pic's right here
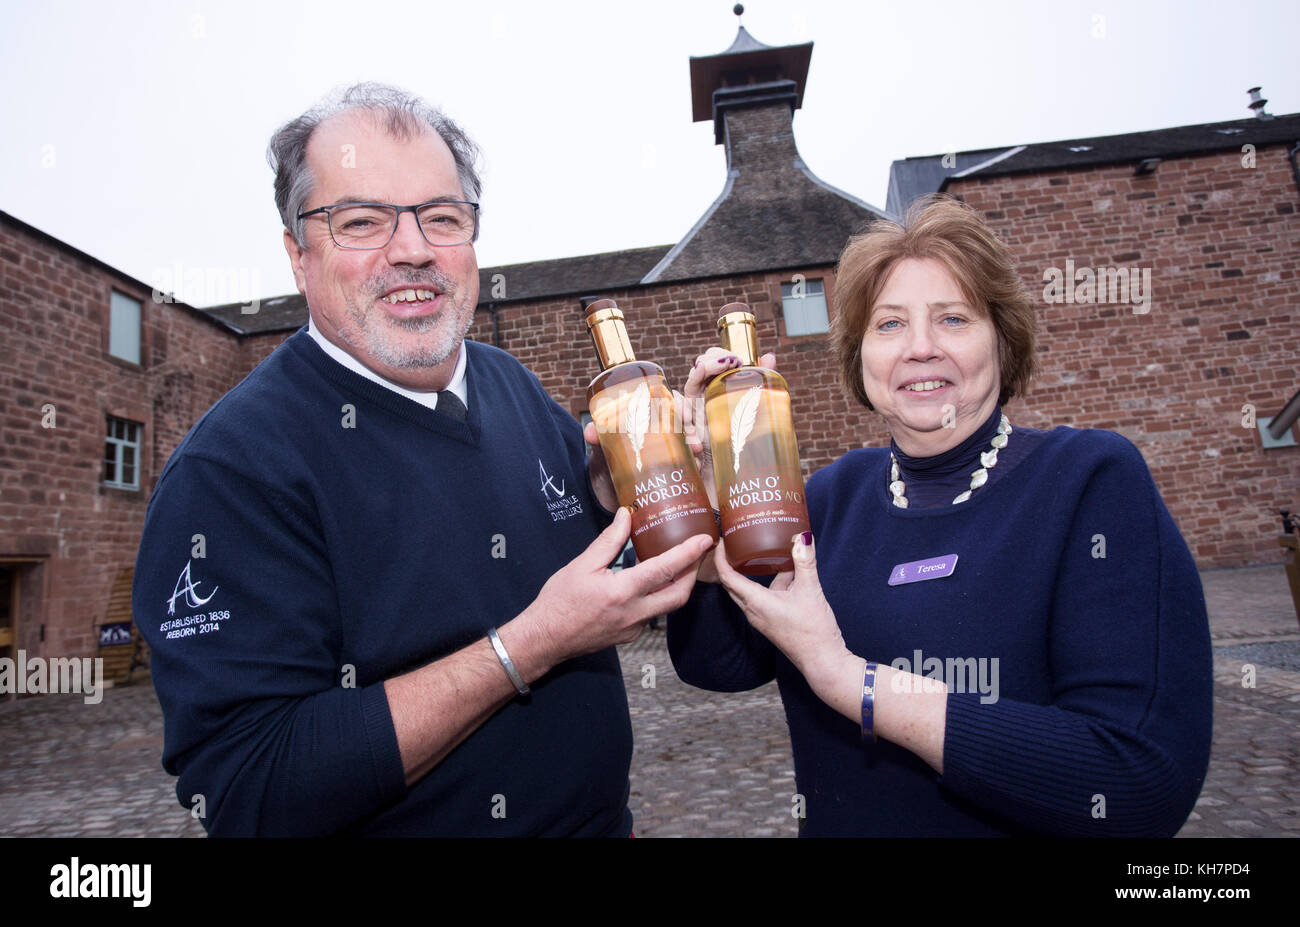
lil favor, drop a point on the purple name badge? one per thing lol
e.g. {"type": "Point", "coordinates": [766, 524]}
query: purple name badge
{"type": "Point", "coordinates": [917, 570]}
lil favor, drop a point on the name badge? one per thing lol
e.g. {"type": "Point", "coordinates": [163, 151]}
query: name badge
{"type": "Point", "coordinates": [918, 570]}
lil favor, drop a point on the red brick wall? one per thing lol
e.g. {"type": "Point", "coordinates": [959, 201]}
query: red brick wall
{"type": "Point", "coordinates": [1223, 245]}
{"type": "Point", "coordinates": [53, 505]}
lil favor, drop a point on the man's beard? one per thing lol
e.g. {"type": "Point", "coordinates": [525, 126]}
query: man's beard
{"type": "Point", "coordinates": [377, 331]}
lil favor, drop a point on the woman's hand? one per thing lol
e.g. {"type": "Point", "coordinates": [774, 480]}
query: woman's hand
{"type": "Point", "coordinates": [793, 614]}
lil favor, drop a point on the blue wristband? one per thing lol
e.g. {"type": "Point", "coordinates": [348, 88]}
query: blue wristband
{"type": "Point", "coordinates": [869, 702]}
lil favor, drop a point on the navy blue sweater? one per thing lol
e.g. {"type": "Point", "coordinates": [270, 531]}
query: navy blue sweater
{"type": "Point", "coordinates": [350, 535]}
{"type": "Point", "coordinates": [1071, 575]}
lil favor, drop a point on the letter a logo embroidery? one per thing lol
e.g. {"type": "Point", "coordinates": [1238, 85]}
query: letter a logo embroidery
{"type": "Point", "coordinates": [548, 483]}
{"type": "Point", "coordinates": [190, 590]}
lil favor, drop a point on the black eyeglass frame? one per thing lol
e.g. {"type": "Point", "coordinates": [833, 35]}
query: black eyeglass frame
{"type": "Point", "coordinates": [397, 218]}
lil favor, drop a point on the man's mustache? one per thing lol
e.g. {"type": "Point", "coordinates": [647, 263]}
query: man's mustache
{"type": "Point", "coordinates": [426, 282]}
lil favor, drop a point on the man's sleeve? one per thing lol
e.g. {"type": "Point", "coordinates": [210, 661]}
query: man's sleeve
{"type": "Point", "coordinates": [1123, 747]}
{"type": "Point", "coordinates": [267, 731]}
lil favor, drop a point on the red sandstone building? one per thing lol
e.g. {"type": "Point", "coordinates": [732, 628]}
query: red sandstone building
{"type": "Point", "coordinates": [100, 383]}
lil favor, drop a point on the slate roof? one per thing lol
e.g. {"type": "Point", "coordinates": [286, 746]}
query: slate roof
{"type": "Point", "coordinates": [741, 234]}
{"type": "Point", "coordinates": [277, 314]}
{"type": "Point", "coordinates": [586, 275]}
{"type": "Point", "coordinates": [912, 177]}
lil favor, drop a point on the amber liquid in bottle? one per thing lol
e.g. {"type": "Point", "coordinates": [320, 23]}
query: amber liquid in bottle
{"type": "Point", "coordinates": [645, 447]}
{"type": "Point", "coordinates": [755, 455]}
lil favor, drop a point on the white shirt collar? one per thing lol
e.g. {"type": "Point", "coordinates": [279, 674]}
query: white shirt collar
{"type": "Point", "coordinates": [429, 399]}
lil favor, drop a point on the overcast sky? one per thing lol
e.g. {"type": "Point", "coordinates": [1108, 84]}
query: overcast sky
{"type": "Point", "coordinates": [137, 131]}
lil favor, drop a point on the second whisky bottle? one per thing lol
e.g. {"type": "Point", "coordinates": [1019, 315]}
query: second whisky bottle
{"type": "Point", "coordinates": [755, 455]}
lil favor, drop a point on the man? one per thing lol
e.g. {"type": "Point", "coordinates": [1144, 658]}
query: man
{"type": "Point", "coordinates": [368, 574]}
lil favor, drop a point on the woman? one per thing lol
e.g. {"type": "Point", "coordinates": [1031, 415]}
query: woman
{"type": "Point", "coordinates": [1001, 630]}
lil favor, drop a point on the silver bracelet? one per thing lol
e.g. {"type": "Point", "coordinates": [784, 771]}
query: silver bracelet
{"type": "Point", "coordinates": [507, 663]}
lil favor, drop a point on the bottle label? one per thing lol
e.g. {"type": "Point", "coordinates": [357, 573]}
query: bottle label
{"type": "Point", "coordinates": [671, 492]}
{"type": "Point", "coordinates": [767, 500]}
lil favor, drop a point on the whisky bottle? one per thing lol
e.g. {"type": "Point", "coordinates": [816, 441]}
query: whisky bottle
{"type": "Point", "coordinates": [645, 447]}
{"type": "Point", "coordinates": [755, 455]}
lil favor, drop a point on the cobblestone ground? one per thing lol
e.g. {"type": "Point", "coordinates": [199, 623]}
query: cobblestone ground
{"type": "Point", "coordinates": [1253, 786]}
{"type": "Point", "coordinates": [704, 763]}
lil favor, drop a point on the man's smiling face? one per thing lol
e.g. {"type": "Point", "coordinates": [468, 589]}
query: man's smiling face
{"type": "Point", "coordinates": [359, 300]}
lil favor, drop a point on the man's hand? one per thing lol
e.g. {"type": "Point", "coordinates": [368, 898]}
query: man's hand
{"type": "Point", "coordinates": [585, 606]}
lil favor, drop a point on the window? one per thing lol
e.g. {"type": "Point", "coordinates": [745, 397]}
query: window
{"type": "Point", "coordinates": [124, 328]}
{"type": "Point", "coordinates": [122, 454]}
{"type": "Point", "coordinates": [804, 306]}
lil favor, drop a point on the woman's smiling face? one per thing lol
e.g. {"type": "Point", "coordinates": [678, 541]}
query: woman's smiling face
{"type": "Point", "coordinates": [929, 359]}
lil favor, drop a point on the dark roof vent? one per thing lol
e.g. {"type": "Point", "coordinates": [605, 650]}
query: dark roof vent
{"type": "Point", "coordinates": [1257, 103]}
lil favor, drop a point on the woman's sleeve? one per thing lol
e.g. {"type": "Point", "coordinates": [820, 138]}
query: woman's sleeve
{"type": "Point", "coordinates": [1123, 748]}
{"type": "Point", "coordinates": [713, 646]}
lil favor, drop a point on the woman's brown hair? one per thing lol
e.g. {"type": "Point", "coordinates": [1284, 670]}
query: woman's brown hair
{"type": "Point", "coordinates": [946, 230]}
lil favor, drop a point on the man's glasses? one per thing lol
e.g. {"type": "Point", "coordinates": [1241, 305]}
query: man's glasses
{"type": "Point", "coordinates": [370, 226]}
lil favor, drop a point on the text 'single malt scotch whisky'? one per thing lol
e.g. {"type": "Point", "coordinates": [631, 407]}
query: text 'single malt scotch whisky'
{"type": "Point", "coordinates": [755, 454]}
{"type": "Point", "coordinates": [641, 434]}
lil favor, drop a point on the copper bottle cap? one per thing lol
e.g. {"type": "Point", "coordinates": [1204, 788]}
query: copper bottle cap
{"type": "Point", "coordinates": [609, 333]}
{"type": "Point", "coordinates": [737, 329]}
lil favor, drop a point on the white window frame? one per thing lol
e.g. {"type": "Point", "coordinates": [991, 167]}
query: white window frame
{"type": "Point", "coordinates": [117, 443]}
{"type": "Point", "coordinates": [814, 289]}
{"type": "Point", "coordinates": [117, 325]}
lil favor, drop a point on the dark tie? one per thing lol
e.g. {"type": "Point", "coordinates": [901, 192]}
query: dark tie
{"type": "Point", "coordinates": [449, 404]}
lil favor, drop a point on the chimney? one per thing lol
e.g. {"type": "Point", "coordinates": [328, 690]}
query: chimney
{"type": "Point", "coordinates": [1257, 103]}
{"type": "Point", "coordinates": [749, 75]}
{"type": "Point", "coordinates": [773, 212]}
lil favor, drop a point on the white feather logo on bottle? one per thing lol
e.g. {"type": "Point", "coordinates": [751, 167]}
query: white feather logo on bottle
{"type": "Point", "coordinates": [742, 422]}
{"type": "Point", "coordinates": [637, 420]}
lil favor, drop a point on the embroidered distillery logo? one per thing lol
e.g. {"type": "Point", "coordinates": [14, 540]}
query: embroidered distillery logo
{"type": "Point", "coordinates": [560, 504]}
{"type": "Point", "coordinates": [548, 483]}
{"type": "Point", "coordinates": [103, 880]}
{"type": "Point", "coordinates": [186, 587]}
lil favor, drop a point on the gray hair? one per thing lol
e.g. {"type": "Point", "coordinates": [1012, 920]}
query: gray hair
{"type": "Point", "coordinates": [406, 115]}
